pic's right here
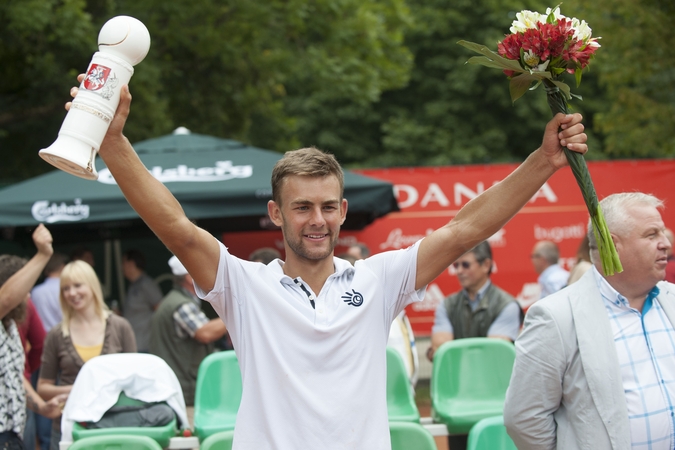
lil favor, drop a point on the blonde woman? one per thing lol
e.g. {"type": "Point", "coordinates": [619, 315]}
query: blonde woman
{"type": "Point", "coordinates": [88, 329]}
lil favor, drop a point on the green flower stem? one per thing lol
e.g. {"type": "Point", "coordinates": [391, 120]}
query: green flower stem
{"type": "Point", "coordinates": [610, 259]}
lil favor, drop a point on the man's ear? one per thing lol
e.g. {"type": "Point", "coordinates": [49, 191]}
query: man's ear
{"type": "Point", "coordinates": [274, 212]}
{"type": "Point", "coordinates": [616, 239]}
{"type": "Point", "coordinates": [344, 211]}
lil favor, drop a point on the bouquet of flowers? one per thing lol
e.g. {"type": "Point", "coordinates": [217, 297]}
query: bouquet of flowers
{"type": "Point", "coordinates": [540, 50]}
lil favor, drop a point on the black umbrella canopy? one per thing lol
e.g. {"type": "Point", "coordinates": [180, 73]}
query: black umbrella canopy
{"type": "Point", "coordinates": [223, 185]}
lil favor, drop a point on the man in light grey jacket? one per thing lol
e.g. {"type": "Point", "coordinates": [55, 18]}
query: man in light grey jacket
{"type": "Point", "coordinates": [594, 366]}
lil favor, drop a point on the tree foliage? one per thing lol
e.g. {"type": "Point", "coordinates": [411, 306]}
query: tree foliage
{"type": "Point", "coordinates": [40, 44]}
{"type": "Point", "coordinates": [636, 65]}
{"type": "Point", "coordinates": [450, 112]}
{"type": "Point", "coordinates": [225, 68]}
{"type": "Point", "coordinates": [377, 82]}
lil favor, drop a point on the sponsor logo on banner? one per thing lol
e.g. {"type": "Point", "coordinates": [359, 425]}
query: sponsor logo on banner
{"type": "Point", "coordinates": [432, 298]}
{"type": "Point", "coordinates": [222, 171]}
{"type": "Point", "coordinates": [434, 195]}
{"type": "Point", "coordinates": [397, 240]}
{"type": "Point", "coordinates": [44, 211]}
{"type": "Point", "coordinates": [559, 233]}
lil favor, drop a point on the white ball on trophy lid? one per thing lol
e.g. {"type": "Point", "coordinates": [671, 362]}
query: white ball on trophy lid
{"type": "Point", "coordinates": [123, 42]}
{"type": "Point", "coordinates": [125, 37]}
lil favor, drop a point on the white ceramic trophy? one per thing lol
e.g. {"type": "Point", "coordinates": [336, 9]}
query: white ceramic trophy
{"type": "Point", "coordinates": [123, 42]}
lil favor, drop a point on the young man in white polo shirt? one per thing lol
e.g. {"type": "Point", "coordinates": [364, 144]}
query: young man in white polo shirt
{"type": "Point", "coordinates": [310, 332]}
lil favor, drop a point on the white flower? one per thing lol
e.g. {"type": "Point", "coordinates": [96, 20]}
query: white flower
{"type": "Point", "coordinates": [525, 20]}
{"type": "Point", "coordinates": [556, 14]}
{"type": "Point", "coordinates": [542, 67]}
{"type": "Point", "coordinates": [530, 58]}
{"type": "Point", "coordinates": [581, 30]}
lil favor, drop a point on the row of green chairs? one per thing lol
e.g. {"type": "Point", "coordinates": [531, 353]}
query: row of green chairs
{"type": "Point", "coordinates": [218, 393]}
{"type": "Point", "coordinates": [469, 382]}
{"type": "Point", "coordinates": [217, 441]}
{"type": "Point", "coordinates": [488, 434]}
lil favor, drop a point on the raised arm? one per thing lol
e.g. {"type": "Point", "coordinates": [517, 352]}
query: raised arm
{"type": "Point", "coordinates": [486, 214]}
{"type": "Point", "coordinates": [18, 286]}
{"type": "Point", "coordinates": [197, 249]}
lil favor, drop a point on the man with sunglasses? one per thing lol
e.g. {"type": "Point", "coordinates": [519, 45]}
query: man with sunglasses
{"type": "Point", "coordinates": [480, 309]}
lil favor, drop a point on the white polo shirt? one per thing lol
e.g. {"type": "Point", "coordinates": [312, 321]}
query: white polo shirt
{"type": "Point", "coordinates": [313, 378]}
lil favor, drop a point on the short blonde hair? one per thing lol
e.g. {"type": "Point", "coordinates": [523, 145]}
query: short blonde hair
{"type": "Point", "coordinates": [81, 272]}
{"type": "Point", "coordinates": [308, 162]}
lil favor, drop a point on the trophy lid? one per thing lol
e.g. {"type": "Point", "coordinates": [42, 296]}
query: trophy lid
{"type": "Point", "coordinates": [125, 37]}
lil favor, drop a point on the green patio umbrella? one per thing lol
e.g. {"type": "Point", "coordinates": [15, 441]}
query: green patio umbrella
{"type": "Point", "coordinates": [223, 185]}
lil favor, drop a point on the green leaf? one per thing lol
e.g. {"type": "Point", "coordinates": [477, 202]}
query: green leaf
{"type": "Point", "coordinates": [541, 74]}
{"type": "Point", "coordinates": [500, 62]}
{"type": "Point", "coordinates": [487, 62]}
{"type": "Point", "coordinates": [577, 75]}
{"type": "Point", "coordinates": [564, 88]}
{"type": "Point", "coordinates": [520, 84]}
{"type": "Point", "coordinates": [536, 85]}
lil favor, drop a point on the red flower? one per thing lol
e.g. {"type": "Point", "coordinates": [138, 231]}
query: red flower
{"type": "Point", "coordinates": [557, 35]}
{"type": "Point", "coordinates": [580, 54]}
{"type": "Point", "coordinates": [534, 40]}
{"type": "Point", "coordinates": [509, 48]}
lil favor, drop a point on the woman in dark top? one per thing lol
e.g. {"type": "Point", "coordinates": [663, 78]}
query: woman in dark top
{"type": "Point", "coordinates": [88, 329]}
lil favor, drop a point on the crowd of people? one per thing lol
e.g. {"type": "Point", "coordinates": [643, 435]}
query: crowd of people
{"type": "Point", "coordinates": [594, 365]}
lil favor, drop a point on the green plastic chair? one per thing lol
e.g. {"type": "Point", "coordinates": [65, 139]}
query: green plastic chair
{"type": "Point", "coordinates": [162, 434]}
{"type": "Point", "coordinates": [401, 405]}
{"type": "Point", "coordinates": [410, 436]}
{"type": "Point", "coordinates": [217, 394]}
{"type": "Point", "coordinates": [116, 442]}
{"type": "Point", "coordinates": [469, 380]}
{"type": "Point", "coordinates": [490, 434]}
{"type": "Point", "coordinates": [218, 441]}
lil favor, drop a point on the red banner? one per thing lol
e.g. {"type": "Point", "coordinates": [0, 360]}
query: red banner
{"type": "Point", "coordinates": [430, 196]}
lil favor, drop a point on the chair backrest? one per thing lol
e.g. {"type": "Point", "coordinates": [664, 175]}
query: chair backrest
{"type": "Point", "coordinates": [211, 392]}
{"type": "Point", "coordinates": [116, 442]}
{"type": "Point", "coordinates": [410, 436]}
{"type": "Point", "coordinates": [472, 368]}
{"type": "Point", "coordinates": [218, 441]}
{"type": "Point", "coordinates": [490, 434]}
{"type": "Point", "coordinates": [401, 404]}
{"type": "Point", "coordinates": [217, 393]}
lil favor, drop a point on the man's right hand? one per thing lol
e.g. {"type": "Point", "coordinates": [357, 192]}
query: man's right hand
{"type": "Point", "coordinates": [115, 132]}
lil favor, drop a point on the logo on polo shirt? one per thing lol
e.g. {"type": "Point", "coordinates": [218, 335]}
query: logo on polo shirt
{"type": "Point", "coordinates": [353, 298]}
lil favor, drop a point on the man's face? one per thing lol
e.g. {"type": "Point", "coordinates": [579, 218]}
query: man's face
{"type": "Point", "coordinates": [538, 261]}
{"type": "Point", "coordinates": [127, 267]}
{"type": "Point", "coordinates": [310, 215]}
{"type": "Point", "coordinates": [471, 274]}
{"type": "Point", "coordinates": [643, 248]}
{"type": "Point", "coordinates": [355, 251]}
